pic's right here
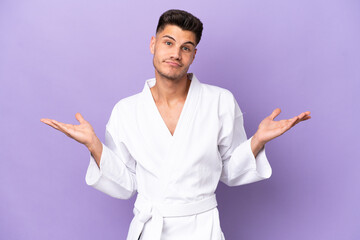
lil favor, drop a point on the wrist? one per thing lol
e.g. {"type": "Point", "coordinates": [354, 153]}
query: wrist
{"type": "Point", "coordinates": [256, 140]}
{"type": "Point", "coordinates": [94, 144]}
{"type": "Point", "coordinates": [96, 148]}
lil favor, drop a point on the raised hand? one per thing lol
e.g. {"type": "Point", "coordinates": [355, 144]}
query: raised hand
{"type": "Point", "coordinates": [83, 133]}
{"type": "Point", "coordinates": [270, 129]}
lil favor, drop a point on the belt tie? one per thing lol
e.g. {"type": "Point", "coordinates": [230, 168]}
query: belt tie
{"type": "Point", "coordinates": [157, 211]}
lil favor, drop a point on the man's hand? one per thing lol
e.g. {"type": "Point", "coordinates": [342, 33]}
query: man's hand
{"type": "Point", "coordinates": [270, 129]}
{"type": "Point", "coordinates": [83, 133]}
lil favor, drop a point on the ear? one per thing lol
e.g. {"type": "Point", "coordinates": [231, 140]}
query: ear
{"type": "Point", "coordinates": [152, 45]}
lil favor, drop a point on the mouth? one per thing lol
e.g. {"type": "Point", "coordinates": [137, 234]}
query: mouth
{"type": "Point", "coordinates": [172, 63]}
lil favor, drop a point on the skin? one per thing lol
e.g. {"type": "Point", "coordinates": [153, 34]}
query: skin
{"type": "Point", "coordinates": [173, 52]}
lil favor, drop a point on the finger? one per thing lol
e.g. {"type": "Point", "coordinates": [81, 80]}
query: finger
{"type": "Point", "coordinates": [305, 118]}
{"type": "Point", "coordinates": [275, 113]}
{"type": "Point", "coordinates": [304, 114]}
{"type": "Point", "coordinates": [302, 119]}
{"type": "Point", "coordinates": [45, 120]}
{"type": "Point", "coordinates": [294, 121]}
{"type": "Point", "coordinates": [49, 122]}
{"type": "Point", "coordinates": [301, 115]}
{"type": "Point", "coordinates": [80, 118]}
{"type": "Point", "coordinates": [289, 124]}
{"type": "Point", "coordinates": [297, 121]}
{"type": "Point", "coordinates": [62, 127]}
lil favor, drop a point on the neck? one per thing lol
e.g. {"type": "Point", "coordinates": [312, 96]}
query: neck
{"type": "Point", "coordinates": [170, 91]}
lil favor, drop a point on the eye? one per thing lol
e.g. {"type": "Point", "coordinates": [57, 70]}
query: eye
{"type": "Point", "coordinates": [168, 43]}
{"type": "Point", "coordinates": [186, 49]}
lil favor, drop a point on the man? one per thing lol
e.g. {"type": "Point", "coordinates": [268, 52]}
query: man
{"type": "Point", "coordinates": [174, 141]}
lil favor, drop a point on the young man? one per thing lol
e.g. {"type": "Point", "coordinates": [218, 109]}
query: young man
{"type": "Point", "coordinates": [174, 141]}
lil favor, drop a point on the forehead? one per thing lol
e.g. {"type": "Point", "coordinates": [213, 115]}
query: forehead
{"type": "Point", "coordinates": [177, 33]}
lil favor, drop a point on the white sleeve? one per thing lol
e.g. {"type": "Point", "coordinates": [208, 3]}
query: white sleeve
{"type": "Point", "coordinates": [239, 164]}
{"type": "Point", "coordinates": [116, 175]}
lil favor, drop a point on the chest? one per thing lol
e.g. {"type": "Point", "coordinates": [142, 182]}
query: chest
{"type": "Point", "coordinates": [170, 115]}
{"type": "Point", "coordinates": [191, 148]}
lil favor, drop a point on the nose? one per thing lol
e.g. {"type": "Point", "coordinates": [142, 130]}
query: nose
{"type": "Point", "coordinates": [176, 53]}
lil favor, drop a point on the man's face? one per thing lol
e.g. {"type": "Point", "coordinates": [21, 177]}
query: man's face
{"type": "Point", "coordinates": [174, 51]}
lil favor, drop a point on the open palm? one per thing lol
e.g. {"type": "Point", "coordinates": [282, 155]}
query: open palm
{"type": "Point", "coordinates": [270, 129]}
{"type": "Point", "coordinates": [83, 133]}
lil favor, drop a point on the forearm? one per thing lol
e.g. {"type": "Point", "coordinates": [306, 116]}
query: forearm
{"type": "Point", "coordinates": [96, 148]}
{"type": "Point", "coordinates": [256, 145]}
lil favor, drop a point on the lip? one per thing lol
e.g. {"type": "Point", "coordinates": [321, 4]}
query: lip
{"type": "Point", "coordinates": [174, 64]}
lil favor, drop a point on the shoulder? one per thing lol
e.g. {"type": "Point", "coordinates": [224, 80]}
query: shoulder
{"type": "Point", "coordinates": [226, 101]}
{"type": "Point", "coordinates": [128, 103]}
{"type": "Point", "coordinates": [124, 110]}
{"type": "Point", "coordinates": [223, 95]}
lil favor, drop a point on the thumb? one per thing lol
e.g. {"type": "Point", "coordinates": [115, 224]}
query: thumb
{"type": "Point", "coordinates": [275, 113]}
{"type": "Point", "coordinates": [80, 118]}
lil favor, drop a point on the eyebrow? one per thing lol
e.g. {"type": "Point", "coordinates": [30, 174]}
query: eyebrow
{"type": "Point", "coordinates": [188, 42]}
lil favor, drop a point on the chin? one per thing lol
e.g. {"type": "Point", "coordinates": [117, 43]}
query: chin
{"type": "Point", "coordinates": [170, 73]}
{"type": "Point", "coordinates": [172, 76]}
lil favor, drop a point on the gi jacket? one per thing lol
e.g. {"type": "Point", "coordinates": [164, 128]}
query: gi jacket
{"type": "Point", "coordinates": [176, 175]}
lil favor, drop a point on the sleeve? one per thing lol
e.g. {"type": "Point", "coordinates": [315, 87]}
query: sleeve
{"type": "Point", "coordinates": [116, 174]}
{"type": "Point", "coordinates": [239, 164]}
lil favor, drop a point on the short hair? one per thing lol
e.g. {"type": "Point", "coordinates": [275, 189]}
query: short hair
{"type": "Point", "coordinates": [182, 19]}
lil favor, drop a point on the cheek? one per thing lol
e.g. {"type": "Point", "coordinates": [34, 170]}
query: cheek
{"type": "Point", "coordinates": [158, 53]}
{"type": "Point", "coordinates": [189, 58]}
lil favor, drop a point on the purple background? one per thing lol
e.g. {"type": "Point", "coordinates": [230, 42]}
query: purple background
{"type": "Point", "coordinates": [62, 57]}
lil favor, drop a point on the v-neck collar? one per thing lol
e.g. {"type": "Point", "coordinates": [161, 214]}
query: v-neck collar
{"type": "Point", "coordinates": [186, 112]}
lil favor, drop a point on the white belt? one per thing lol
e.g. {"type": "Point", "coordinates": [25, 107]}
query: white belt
{"type": "Point", "coordinates": [157, 211]}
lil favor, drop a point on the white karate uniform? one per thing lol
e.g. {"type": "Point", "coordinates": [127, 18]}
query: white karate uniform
{"type": "Point", "coordinates": [176, 175]}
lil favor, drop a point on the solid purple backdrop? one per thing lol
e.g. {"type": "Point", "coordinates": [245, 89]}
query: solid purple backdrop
{"type": "Point", "coordinates": [62, 57]}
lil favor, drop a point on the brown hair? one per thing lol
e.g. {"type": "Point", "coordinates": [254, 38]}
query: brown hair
{"type": "Point", "coordinates": [182, 19]}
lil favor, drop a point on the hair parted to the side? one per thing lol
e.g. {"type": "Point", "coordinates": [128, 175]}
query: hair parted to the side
{"type": "Point", "coordinates": [182, 19]}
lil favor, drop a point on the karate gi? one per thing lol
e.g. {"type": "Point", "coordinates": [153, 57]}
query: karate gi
{"type": "Point", "coordinates": [176, 175]}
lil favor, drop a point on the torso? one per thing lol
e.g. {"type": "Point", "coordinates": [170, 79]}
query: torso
{"type": "Point", "coordinates": [169, 115]}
